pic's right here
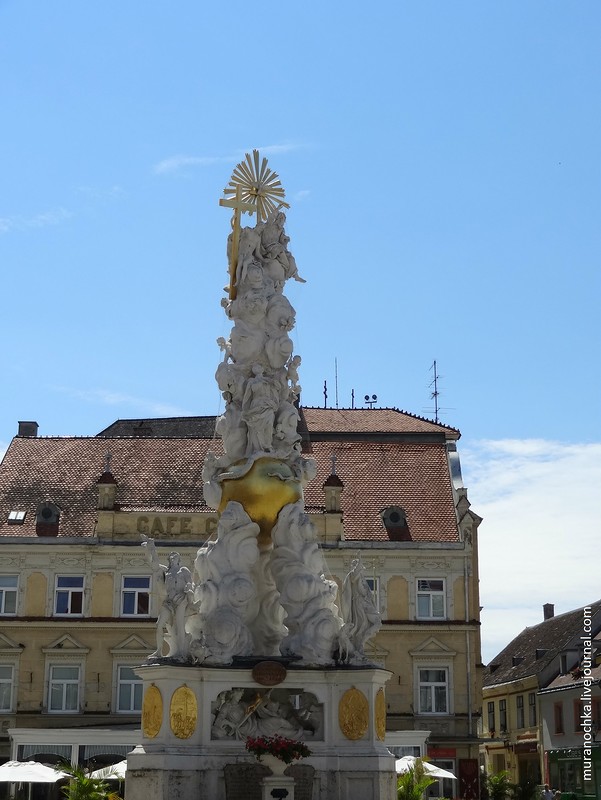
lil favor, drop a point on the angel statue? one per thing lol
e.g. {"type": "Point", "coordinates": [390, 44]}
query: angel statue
{"type": "Point", "coordinates": [178, 598]}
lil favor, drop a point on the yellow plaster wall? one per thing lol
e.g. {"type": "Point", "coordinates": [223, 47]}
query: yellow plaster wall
{"type": "Point", "coordinates": [102, 595]}
{"type": "Point", "coordinates": [35, 595]}
{"type": "Point", "coordinates": [397, 598]}
{"type": "Point", "coordinates": [459, 598]}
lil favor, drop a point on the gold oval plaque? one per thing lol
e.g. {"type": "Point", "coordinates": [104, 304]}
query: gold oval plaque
{"type": "Point", "coordinates": [380, 715]}
{"type": "Point", "coordinates": [152, 712]}
{"type": "Point", "coordinates": [353, 714]}
{"type": "Point", "coordinates": [183, 712]}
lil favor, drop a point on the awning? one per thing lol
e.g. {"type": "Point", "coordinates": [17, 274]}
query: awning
{"type": "Point", "coordinates": [29, 772]}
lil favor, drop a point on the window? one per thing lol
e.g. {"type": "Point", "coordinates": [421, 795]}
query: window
{"type": "Point", "coordinates": [491, 717]}
{"type": "Point", "coordinates": [63, 688]}
{"type": "Point", "coordinates": [558, 717]}
{"type": "Point", "coordinates": [6, 687]}
{"type": "Point", "coordinates": [430, 598]}
{"type": "Point", "coordinates": [433, 691]}
{"type": "Point", "coordinates": [374, 585]}
{"type": "Point", "coordinates": [135, 596]}
{"type": "Point", "coordinates": [8, 594]}
{"type": "Point", "coordinates": [68, 597]}
{"type": "Point", "coordinates": [503, 715]}
{"type": "Point", "coordinates": [532, 709]}
{"type": "Point", "coordinates": [129, 690]}
{"type": "Point", "coordinates": [16, 517]}
{"type": "Point", "coordinates": [519, 709]}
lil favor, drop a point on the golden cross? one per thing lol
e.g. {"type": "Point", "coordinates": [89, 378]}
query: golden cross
{"type": "Point", "coordinates": [239, 206]}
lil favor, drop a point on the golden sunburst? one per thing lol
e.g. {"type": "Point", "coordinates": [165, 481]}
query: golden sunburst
{"type": "Point", "coordinates": [259, 185]}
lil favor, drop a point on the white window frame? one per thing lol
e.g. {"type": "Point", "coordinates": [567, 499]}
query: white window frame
{"type": "Point", "coordinates": [71, 592]}
{"type": "Point", "coordinates": [8, 590]}
{"type": "Point", "coordinates": [432, 595]}
{"type": "Point", "coordinates": [9, 680]}
{"type": "Point", "coordinates": [136, 591]}
{"type": "Point", "coordinates": [64, 682]}
{"type": "Point", "coordinates": [132, 683]}
{"type": "Point", "coordinates": [434, 667]}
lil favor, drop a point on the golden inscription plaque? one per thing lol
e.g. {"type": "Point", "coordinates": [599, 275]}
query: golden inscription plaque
{"type": "Point", "coordinates": [152, 712]}
{"type": "Point", "coordinates": [269, 673]}
{"type": "Point", "coordinates": [380, 715]}
{"type": "Point", "coordinates": [353, 714]}
{"type": "Point", "coordinates": [183, 712]}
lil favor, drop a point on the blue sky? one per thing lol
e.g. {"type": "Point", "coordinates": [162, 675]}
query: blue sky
{"type": "Point", "coordinates": [442, 164]}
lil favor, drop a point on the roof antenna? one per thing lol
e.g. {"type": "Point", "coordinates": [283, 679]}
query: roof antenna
{"type": "Point", "coordinates": [435, 393]}
{"type": "Point", "coordinates": [370, 403]}
{"type": "Point", "coordinates": [336, 379]}
{"type": "Point", "coordinates": [325, 394]}
{"type": "Point", "coordinates": [352, 398]}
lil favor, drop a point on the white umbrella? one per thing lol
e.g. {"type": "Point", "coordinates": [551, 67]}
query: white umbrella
{"type": "Point", "coordinates": [29, 772]}
{"type": "Point", "coordinates": [406, 763]}
{"type": "Point", "coordinates": [116, 771]}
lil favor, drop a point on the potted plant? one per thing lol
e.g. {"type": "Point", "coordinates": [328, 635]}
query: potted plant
{"type": "Point", "coordinates": [276, 752]}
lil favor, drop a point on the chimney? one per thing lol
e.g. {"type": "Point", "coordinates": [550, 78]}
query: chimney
{"type": "Point", "coordinates": [28, 429]}
{"type": "Point", "coordinates": [548, 611]}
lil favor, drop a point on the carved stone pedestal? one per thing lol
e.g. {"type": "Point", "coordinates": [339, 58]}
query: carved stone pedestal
{"type": "Point", "coordinates": [278, 787]}
{"type": "Point", "coordinates": [195, 721]}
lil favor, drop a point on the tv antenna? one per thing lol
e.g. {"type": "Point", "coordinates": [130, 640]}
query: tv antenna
{"type": "Point", "coordinates": [435, 394]}
{"type": "Point", "coordinates": [370, 401]}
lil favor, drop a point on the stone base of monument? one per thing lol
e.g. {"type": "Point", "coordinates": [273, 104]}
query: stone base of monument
{"type": "Point", "coordinates": [195, 721]}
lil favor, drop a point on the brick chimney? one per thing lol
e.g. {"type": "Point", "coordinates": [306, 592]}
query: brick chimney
{"type": "Point", "coordinates": [28, 429]}
{"type": "Point", "coordinates": [548, 611]}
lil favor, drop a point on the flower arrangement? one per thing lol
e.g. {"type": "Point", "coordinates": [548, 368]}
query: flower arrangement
{"type": "Point", "coordinates": [287, 750]}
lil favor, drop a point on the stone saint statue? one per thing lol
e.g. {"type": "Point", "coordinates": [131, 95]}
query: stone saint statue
{"type": "Point", "coordinates": [359, 610]}
{"type": "Point", "coordinates": [179, 597]}
{"type": "Point", "coordinates": [259, 407]}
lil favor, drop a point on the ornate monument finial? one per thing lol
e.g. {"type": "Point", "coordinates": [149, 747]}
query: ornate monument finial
{"type": "Point", "coordinates": [254, 189]}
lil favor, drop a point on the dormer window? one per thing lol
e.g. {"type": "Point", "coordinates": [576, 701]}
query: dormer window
{"type": "Point", "coordinates": [16, 517]}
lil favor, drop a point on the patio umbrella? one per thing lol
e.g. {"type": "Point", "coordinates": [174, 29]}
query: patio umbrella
{"type": "Point", "coordinates": [29, 772]}
{"type": "Point", "coordinates": [406, 763]}
{"type": "Point", "coordinates": [115, 771]}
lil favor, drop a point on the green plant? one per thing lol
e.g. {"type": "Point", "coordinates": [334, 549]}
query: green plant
{"type": "Point", "coordinates": [498, 786]}
{"type": "Point", "coordinates": [526, 789]}
{"type": "Point", "coordinates": [412, 784]}
{"type": "Point", "coordinates": [81, 786]}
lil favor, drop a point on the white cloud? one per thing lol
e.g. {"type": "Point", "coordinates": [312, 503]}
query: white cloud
{"type": "Point", "coordinates": [142, 406]}
{"type": "Point", "coordinates": [102, 194]}
{"type": "Point", "coordinates": [43, 219]}
{"type": "Point", "coordinates": [179, 162]}
{"type": "Point", "coordinates": [538, 540]}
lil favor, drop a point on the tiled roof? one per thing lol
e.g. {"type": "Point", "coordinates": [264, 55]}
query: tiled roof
{"type": "Point", "coordinates": [314, 421]}
{"type": "Point", "coordinates": [177, 427]}
{"type": "Point", "coordinates": [369, 420]}
{"type": "Point", "coordinates": [65, 471]}
{"type": "Point", "coordinates": [162, 472]}
{"type": "Point", "coordinates": [535, 647]}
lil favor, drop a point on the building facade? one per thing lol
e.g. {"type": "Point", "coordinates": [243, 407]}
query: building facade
{"type": "Point", "coordinates": [78, 605]}
{"type": "Point", "coordinates": [540, 709]}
